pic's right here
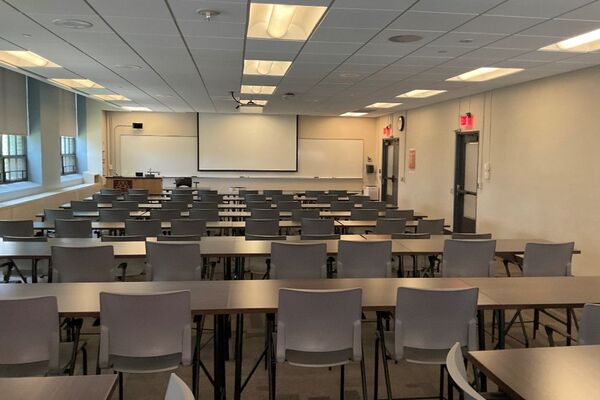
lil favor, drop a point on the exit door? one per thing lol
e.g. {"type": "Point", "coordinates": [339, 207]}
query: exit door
{"type": "Point", "coordinates": [465, 181]}
{"type": "Point", "coordinates": [390, 169]}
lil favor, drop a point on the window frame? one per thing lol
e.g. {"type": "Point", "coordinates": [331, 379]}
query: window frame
{"type": "Point", "coordinates": [4, 158]}
{"type": "Point", "coordinates": [68, 151]}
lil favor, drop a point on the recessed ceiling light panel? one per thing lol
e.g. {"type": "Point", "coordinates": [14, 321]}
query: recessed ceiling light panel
{"type": "Point", "coordinates": [266, 67]}
{"type": "Point", "coordinates": [353, 114]}
{"type": "Point", "coordinates": [25, 59]}
{"type": "Point", "coordinates": [484, 74]}
{"type": "Point", "coordinates": [383, 105]}
{"type": "Point", "coordinates": [72, 23]}
{"type": "Point", "coordinates": [584, 43]}
{"type": "Point", "coordinates": [254, 89]}
{"type": "Point", "coordinates": [111, 97]}
{"type": "Point", "coordinates": [78, 83]}
{"type": "Point", "coordinates": [283, 21]}
{"type": "Point", "coordinates": [135, 108]}
{"type": "Point", "coordinates": [421, 93]}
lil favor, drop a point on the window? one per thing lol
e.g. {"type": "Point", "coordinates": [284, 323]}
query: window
{"type": "Point", "coordinates": [67, 155]}
{"type": "Point", "coordinates": [14, 159]}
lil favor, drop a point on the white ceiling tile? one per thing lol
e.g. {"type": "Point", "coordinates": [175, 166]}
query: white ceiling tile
{"type": "Point", "coordinates": [320, 58]}
{"type": "Point", "coordinates": [383, 49]}
{"type": "Point", "coordinates": [537, 8]}
{"type": "Point", "coordinates": [469, 40]}
{"type": "Point", "coordinates": [131, 8]}
{"type": "Point", "coordinates": [397, 5]}
{"type": "Point", "coordinates": [360, 19]}
{"type": "Point", "coordinates": [591, 12]}
{"type": "Point", "coordinates": [562, 28]}
{"type": "Point", "coordinates": [524, 42]}
{"type": "Point", "coordinates": [343, 35]}
{"type": "Point", "coordinates": [149, 41]}
{"type": "Point", "coordinates": [231, 12]}
{"type": "Point", "coordinates": [430, 21]}
{"type": "Point", "coordinates": [366, 59]}
{"type": "Point", "coordinates": [459, 6]}
{"type": "Point", "coordinates": [441, 51]}
{"type": "Point", "coordinates": [422, 61]}
{"type": "Point", "coordinates": [498, 24]}
{"type": "Point", "coordinates": [317, 47]}
{"type": "Point", "coordinates": [216, 43]}
{"type": "Point", "coordinates": [427, 35]}
{"type": "Point", "coordinates": [214, 29]}
{"type": "Point", "coordinates": [143, 26]}
{"type": "Point", "coordinates": [487, 54]}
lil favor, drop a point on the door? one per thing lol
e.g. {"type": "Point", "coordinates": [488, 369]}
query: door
{"type": "Point", "coordinates": [465, 181]}
{"type": "Point", "coordinates": [390, 169]}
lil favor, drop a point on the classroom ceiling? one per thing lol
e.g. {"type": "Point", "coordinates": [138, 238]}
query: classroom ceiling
{"type": "Point", "coordinates": [163, 55]}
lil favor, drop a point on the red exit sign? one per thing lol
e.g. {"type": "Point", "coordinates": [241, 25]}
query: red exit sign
{"type": "Point", "coordinates": [466, 120]}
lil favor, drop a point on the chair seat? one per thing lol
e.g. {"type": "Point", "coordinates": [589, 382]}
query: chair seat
{"type": "Point", "coordinates": [145, 364]}
{"type": "Point", "coordinates": [256, 265]}
{"type": "Point", "coordinates": [318, 359]}
{"type": "Point", "coordinates": [416, 355]}
{"type": "Point", "coordinates": [41, 368]}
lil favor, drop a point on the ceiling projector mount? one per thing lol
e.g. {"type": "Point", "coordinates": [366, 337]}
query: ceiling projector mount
{"type": "Point", "coordinates": [245, 103]}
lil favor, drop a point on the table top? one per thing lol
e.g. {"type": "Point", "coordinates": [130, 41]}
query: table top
{"type": "Point", "coordinates": [89, 387]}
{"type": "Point", "coordinates": [96, 214]}
{"type": "Point", "coordinates": [166, 225]}
{"type": "Point", "coordinates": [549, 373]}
{"type": "Point", "coordinates": [149, 206]}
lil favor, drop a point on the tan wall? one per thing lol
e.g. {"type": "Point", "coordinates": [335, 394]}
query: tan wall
{"type": "Point", "coordinates": [541, 139]}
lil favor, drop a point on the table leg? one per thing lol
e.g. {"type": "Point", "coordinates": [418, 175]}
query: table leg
{"type": "Point", "coordinates": [34, 263]}
{"type": "Point", "coordinates": [239, 342]}
{"type": "Point", "coordinates": [501, 329]}
{"type": "Point", "coordinates": [220, 341]}
{"type": "Point", "coordinates": [481, 333]}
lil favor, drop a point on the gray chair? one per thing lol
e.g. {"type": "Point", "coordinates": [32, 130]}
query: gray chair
{"type": "Point", "coordinates": [299, 214]}
{"type": "Point", "coordinates": [548, 259]}
{"type": "Point", "coordinates": [388, 226]}
{"type": "Point", "coordinates": [146, 228]}
{"type": "Point", "coordinates": [165, 215]}
{"type": "Point", "coordinates": [105, 198]}
{"type": "Point", "coordinates": [177, 389]}
{"type": "Point", "coordinates": [341, 206]}
{"type": "Point", "coordinates": [175, 205]}
{"type": "Point", "coordinates": [73, 228]}
{"type": "Point", "coordinates": [251, 205]}
{"type": "Point", "coordinates": [314, 193]}
{"type": "Point", "coordinates": [115, 192]}
{"type": "Point", "coordinates": [311, 335]}
{"type": "Point", "coordinates": [589, 327]}
{"type": "Point", "coordinates": [276, 198]}
{"type": "Point", "coordinates": [272, 192]}
{"type": "Point", "coordinates": [375, 205]}
{"type": "Point", "coordinates": [79, 206]}
{"type": "Point", "coordinates": [10, 230]}
{"type": "Point", "coordinates": [30, 344]}
{"type": "Point", "coordinates": [22, 228]}
{"type": "Point", "coordinates": [209, 198]}
{"type": "Point", "coordinates": [364, 259]}
{"type": "Point", "coordinates": [471, 236]}
{"type": "Point", "coordinates": [326, 198]}
{"type": "Point", "coordinates": [364, 214]}
{"type": "Point", "coordinates": [251, 197]}
{"type": "Point", "coordinates": [113, 214]}
{"type": "Point", "coordinates": [431, 226]}
{"type": "Point", "coordinates": [179, 238]}
{"type": "Point", "coordinates": [408, 215]}
{"type": "Point", "coordinates": [145, 333]}
{"type": "Point", "coordinates": [138, 191]}
{"type": "Point", "coordinates": [262, 226]}
{"type": "Point", "coordinates": [455, 363]}
{"type": "Point", "coordinates": [207, 215]}
{"type": "Point", "coordinates": [123, 238]}
{"type": "Point", "coordinates": [244, 192]}
{"type": "Point", "coordinates": [129, 266]}
{"type": "Point", "coordinates": [358, 199]}
{"type": "Point", "coordinates": [338, 192]}
{"type": "Point", "coordinates": [310, 226]}
{"type": "Point", "coordinates": [207, 191]}
{"type": "Point", "coordinates": [126, 205]}
{"type": "Point", "coordinates": [51, 214]}
{"type": "Point", "coordinates": [99, 265]}
{"type": "Point", "coordinates": [205, 206]}
{"type": "Point", "coordinates": [468, 258]}
{"type": "Point", "coordinates": [410, 235]}
{"type": "Point", "coordinates": [140, 198]}
{"type": "Point", "coordinates": [288, 206]}
{"type": "Point", "coordinates": [182, 190]}
{"type": "Point", "coordinates": [188, 226]}
{"type": "Point", "coordinates": [296, 260]}
{"type": "Point", "coordinates": [428, 322]}
{"type": "Point", "coordinates": [261, 229]}
{"type": "Point", "coordinates": [173, 261]}
{"type": "Point", "coordinates": [261, 213]}
{"type": "Point", "coordinates": [187, 197]}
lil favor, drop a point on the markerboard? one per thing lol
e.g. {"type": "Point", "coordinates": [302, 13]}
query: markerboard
{"type": "Point", "coordinates": [330, 158]}
{"type": "Point", "coordinates": [171, 155]}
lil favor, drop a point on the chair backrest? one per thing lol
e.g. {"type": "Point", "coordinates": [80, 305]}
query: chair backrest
{"type": "Point", "coordinates": [431, 226]}
{"type": "Point", "coordinates": [411, 235]}
{"type": "Point", "coordinates": [141, 227]}
{"type": "Point", "coordinates": [117, 192]}
{"type": "Point", "coordinates": [341, 206]}
{"type": "Point", "coordinates": [264, 213]}
{"type": "Point", "coordinates": [288, 205]}
{"type": "Point", "coordinates": [25, 238]}
{"type": "Point", "coordinates": [375, 205]}
{"type": "Point", "coordinates": [123, 238]}
{"type": "Point", "coordinates": [244, 192]}
{"type": "Point", "coordinates": [186, 197]}
{"type": "Point", "coordinates": [314, 193]}
{"type": "Point", "coordinates": [272, 192]}
{"type": "Point", "coordinates": [364, 259]}
{"type": "Point", "coordinates": [471, 236]}
{"type": "Point", "coordinates": [105, 198]}
{"type": "Point", "coordinates": [179, 238]}
{"type": "Point", "coordinates": [276, 198]}
{"type": "Point", "coordinates": [113, 214]}
{"type": "Point", "coordinates": [51, 214]}
{"type": "Point", "coordinates": [78, 205]}
{"type": "Point", "coordinates": [262, 226]}
{"type": "Point", "coordinates": [173, 261]}
{"type": "Point", "coordinates": [386, 226]}
{"type": "Point", "coordinates": [455, 363]}
{"type": "Point", "coordinates": [326, 198]}
{"type": "Point", "coordinates": [304, 324]}
{"type": "Point", "coordinates": [265, 237]}
{"type": "Point", "coordinates": [141, 198]}
{"type": "Point", "coordinates": [254, 197]}
{"type": "Point", "coordinates": [83, 264]}
{"type": "Point", "coordinates": [408, 215]}
{"type": "Point", "coordinates": [165, 214]}
{"type": "Point", "coordinates": [29, 332]}
{"type": "Point", "coordinates": [138, 191]}
{"type": "Point", "coordinates": [333, 236]}
{"type": "Point", "coordinates": [73, 228]}
{"type": "Point", "coordinates": [589, 326]}
{"type": "Point", "coordinates": [251, 205]}
{"type": "Point", "coordinates": [205, 205]}
{"type": "Point", "coordinates": [145, 325]}
{"type": "Point", "coordinates": [182, 190]}
{"type": "Point", "coordinates": [469, 258]}
{"type": "Point", "coordinates": [205, 214]}
{"type": "Point", "coordinates": [315, 226]}
{"type": "Point", "coordinates": [184, 181]}
{"type": "Point", "coordinates": [175, 205]}
{"type": "Point", "coordinates": [177, 389]}
{"type": "Point", "coordinates": [188, 226]}
{"type": "Point", "coordinates": [548, 259]}
{"type": "Point", "coordinates": [435, 319]}
{"type": "Point", "coordinates": [296, 260]}
{"type": "Point", "coordinates": [364, 214]}
{"type": "Point", "coordinates": [130, 205]}
{"type": "Point", "coordinates": [209, 198]}
{"type": "Point", "coordinates": [207, 191]}
{"type": "Point", "coordinates": [358, 199]}
{"type": "Point", "coordinates": [299, 213]}
{"type": "Point", "coordinates": [16, 228]}
{"type": "Point", "coordinates": [338, 192]}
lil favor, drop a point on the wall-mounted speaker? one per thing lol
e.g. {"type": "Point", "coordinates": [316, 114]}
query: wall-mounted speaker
{"type": "Point", "coordinates": [137, 125]}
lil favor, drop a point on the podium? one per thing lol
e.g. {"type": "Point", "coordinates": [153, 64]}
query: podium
{"type": "Point", "coordinates": [153, 185]}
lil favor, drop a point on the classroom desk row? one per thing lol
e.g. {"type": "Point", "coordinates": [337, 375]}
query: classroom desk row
{"type": "Point", "coordinates": [228, 298]}
{"type": "Point", "coordinates": [154, 206]}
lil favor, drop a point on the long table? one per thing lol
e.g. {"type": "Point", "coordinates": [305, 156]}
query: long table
{"type": "Point", "coordinates": [89, 387]}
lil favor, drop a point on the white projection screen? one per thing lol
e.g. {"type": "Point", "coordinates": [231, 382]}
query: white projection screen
{"type": "Point", "coordinates": [244, 142]}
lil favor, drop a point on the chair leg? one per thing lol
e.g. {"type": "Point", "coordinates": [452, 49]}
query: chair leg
{"type": "Point", "coordinates": [536, 322]}
{"type": "Point", "coordinates": [121, 395]}
{"type": "Point", "coordinates": [450, 386]}
{"type": "Point", "coordinates": [342, 376]}
{"type": "Point", "coordinates": [363, 377]}
{"type": "Point", "coordinates": [384, 358]}
{"type": "Point", "coordinates": [84, 359]}
{"type": "Point", "coordinates": [522, 323]}
{"type": "Point", "coordinates": [376, 372]}
{"type": "Point", "coordinates": [441, 382]}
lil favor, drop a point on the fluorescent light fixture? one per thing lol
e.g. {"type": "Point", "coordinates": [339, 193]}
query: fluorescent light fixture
{"type": "Point", "coordinates": [251, 110]}
{"type": "Point", "coordinates": [25, 59]}
{"type": "Point", "coordinates": [383, 105]}
{"type": "Point", "coordinates": [253, 89]}
{"type": "Point", "coordinates": [78, 83]}
{"type": "Point", "coordinates": [421, 93]}
{"type": "Point", "coordinates": [484, 74]}
{"type": "Point", "coordinates": [135, 108]}
{"type": "Point", "coordinates": [283, 21]}
{"type": "Point", "coordinates": [583, 43]}
{"type": "Point", "coordinates": [353, 114]}
{"type": "Point", "coordinates": [257, 102]}
{"type": "Point", "coordinates": [266, 67]}
{"type": "Point", "coordinates": [111, 97]}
